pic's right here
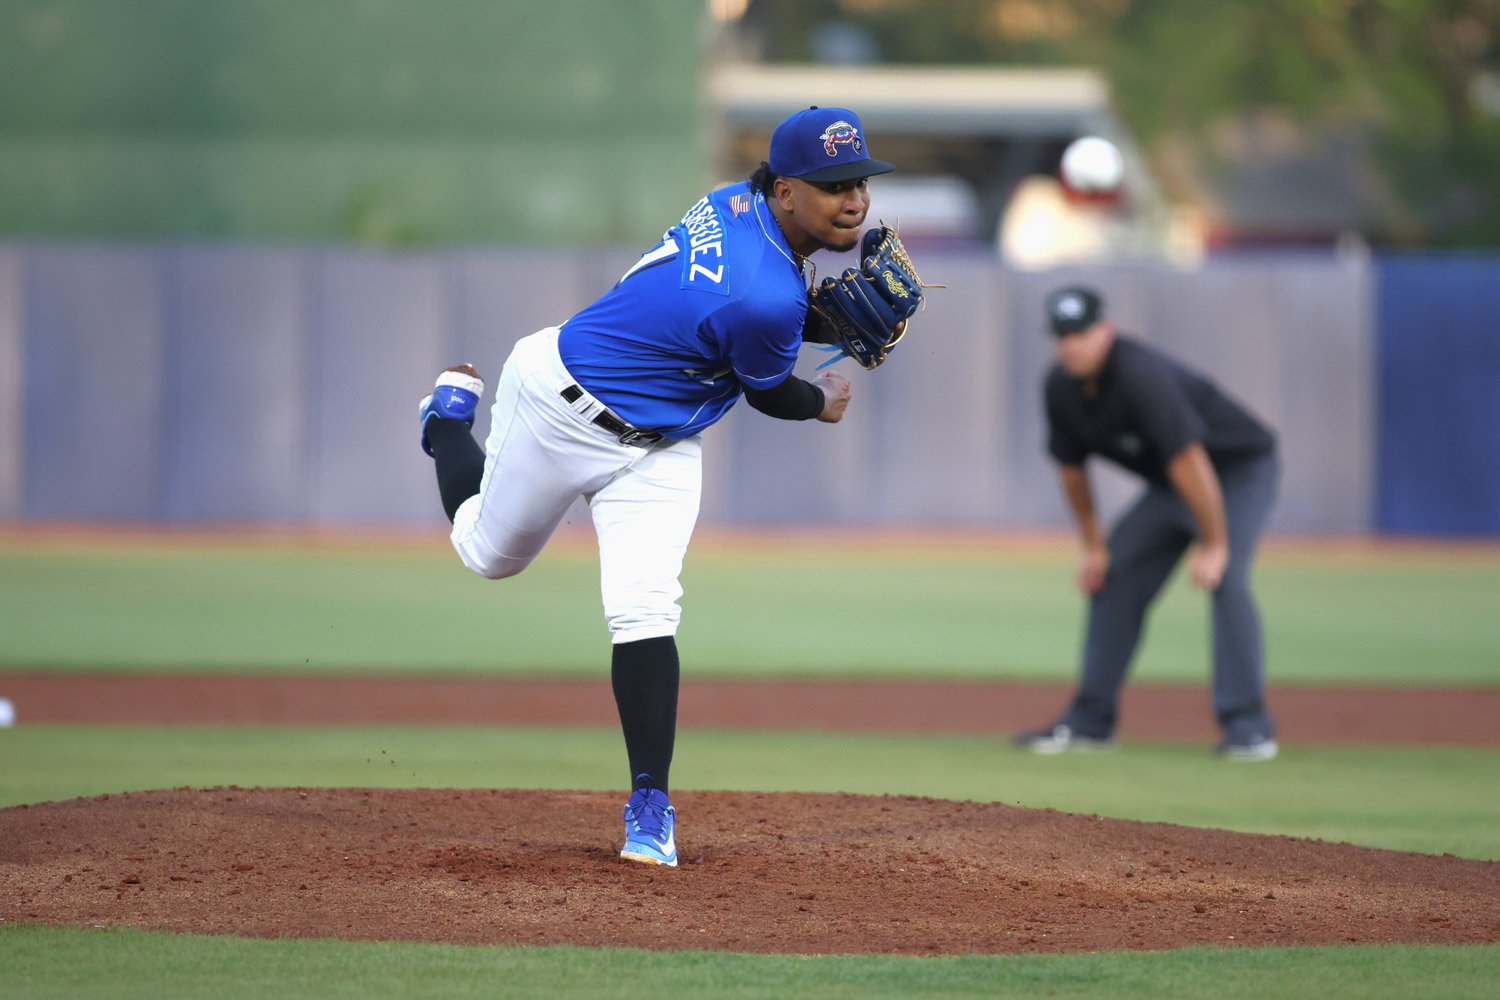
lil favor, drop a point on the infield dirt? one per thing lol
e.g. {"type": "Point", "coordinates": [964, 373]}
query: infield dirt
{"type": "Point", "coordinates": [795, 873]}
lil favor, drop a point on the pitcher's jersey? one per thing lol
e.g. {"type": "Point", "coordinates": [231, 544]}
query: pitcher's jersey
{"type": "Point", "coordinates": [717, 305]}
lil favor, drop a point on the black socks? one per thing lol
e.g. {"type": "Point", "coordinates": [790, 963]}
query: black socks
{"type": "Point", "coordinates": [644, 673]}
{"type": "Point", "coordinates": [645, 676]}
{"type": "Point", "coordinates": [459, 460]}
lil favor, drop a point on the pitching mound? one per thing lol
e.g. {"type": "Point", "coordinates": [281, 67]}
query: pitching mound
{"type": "Point", "coordinates": [760, 872]}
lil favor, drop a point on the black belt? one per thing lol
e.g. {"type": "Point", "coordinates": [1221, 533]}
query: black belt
{"type": "Point", "coordinates": [626, 433]}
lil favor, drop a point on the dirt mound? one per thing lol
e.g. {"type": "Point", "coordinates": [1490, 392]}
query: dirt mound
{"type": "Point", "coordinates": [795, 873]}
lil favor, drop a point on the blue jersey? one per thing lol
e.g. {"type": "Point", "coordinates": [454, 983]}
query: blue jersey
{"type": "Point", "coordinates": [716, 306]}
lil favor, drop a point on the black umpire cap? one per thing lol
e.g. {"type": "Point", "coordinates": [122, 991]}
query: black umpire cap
{"type": "Point", "coordinates": [1074, 308]}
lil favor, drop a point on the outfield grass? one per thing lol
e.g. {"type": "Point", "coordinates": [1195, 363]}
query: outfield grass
{"type": "Point", "coordinates": [1433, 800]}
{"type": "Point", "coordinates": [992, 612]}
{"type": "Point", "coordinates": [1358, 617]}
{"type": "Point", "coordinates": [124, 964]}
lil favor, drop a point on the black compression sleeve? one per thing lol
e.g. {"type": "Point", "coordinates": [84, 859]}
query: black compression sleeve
{"type": "Point", "coordinates": [793, 399]}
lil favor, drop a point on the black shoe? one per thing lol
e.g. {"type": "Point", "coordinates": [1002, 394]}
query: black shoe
{"type": "Point", "coordinates": [1248, 737]}
{"type": "Point", "coordinates": [1056, 739]}
{"type": "Point", "coordinates": [1256, 746]}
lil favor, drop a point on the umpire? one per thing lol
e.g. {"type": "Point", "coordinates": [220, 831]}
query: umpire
{"type": "Point", "coordinates": [1211, 474]}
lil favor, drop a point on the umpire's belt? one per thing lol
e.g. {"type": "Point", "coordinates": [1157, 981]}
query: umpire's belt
{"type": "Point", "coordinates": [626, 433]}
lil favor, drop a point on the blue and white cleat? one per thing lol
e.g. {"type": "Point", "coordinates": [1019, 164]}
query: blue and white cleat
{"type": "Point", "coordinates": [649, 822]}
{"type": "Point", "coordinates": [454, 397]}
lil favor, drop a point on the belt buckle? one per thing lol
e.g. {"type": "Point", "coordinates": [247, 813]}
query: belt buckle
{"type": "Point", "coordinates": [636, 436]}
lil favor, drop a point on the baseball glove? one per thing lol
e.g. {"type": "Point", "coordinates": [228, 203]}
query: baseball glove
{"type": "Point", "coordinates": [863, 308]}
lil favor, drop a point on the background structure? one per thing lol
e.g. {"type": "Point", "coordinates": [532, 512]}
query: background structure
{"type": "Point", "coordinates": [236, 240]}
{"type": "Point", "coordinates": [239, 384]}
{"type": "Point", "coordinates": [376, 121]}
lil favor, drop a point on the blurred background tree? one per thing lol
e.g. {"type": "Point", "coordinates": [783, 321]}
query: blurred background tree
{"type": "Point", "coordinates": [1399, 100]}
{"type": "Point", "coordinates": [383, 122]}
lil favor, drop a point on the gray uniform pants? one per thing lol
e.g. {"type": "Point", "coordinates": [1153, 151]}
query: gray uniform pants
{"type": "Point", "coordinates": [1145, 545]}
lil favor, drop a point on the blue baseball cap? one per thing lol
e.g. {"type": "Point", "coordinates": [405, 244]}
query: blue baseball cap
{"type": "Point", "coordinates": [823, 144]}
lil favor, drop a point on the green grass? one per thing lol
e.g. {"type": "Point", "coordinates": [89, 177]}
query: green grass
{"type": "Point", "coordinates": [824, 609]}
{"type": "Point", "coordinates": [1360, 617]}
{"type": "Point", "coordinates": [67, 963]}
{"type": "Point", "coordinates": [1433, 800]}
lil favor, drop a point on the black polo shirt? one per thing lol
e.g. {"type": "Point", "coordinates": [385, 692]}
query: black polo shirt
{"type": "Point", "coordinates": [1147, 409]}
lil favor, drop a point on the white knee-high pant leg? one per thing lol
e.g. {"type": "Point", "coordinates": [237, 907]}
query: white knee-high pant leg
{"type": "Point", "coordinates": [541, 454]}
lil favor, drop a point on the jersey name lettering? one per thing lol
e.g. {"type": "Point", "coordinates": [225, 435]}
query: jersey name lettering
{"type": "Point", "coordinates": [703, 264]}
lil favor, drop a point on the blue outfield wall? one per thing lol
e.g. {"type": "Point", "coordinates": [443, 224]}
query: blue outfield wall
{"type": "Point", "coordinates": [230, 383]}
{"type": "Point", "coordinates": [278, 384]}
{"type": "Point", "coordinates": [1438, 410]}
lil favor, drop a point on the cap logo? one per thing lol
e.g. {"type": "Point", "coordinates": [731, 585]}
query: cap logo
{"type": "Point", "coordinates": [1069, 307]}
{"type": "Point", "coordinates": [838, 134]}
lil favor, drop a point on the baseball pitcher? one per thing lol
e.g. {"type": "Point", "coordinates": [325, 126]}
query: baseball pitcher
{"type": "Point", "coordinates": [611, 405]}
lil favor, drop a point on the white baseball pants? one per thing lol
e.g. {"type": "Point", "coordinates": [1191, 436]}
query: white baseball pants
{"type": "Point", "coordinates": [541, 454]}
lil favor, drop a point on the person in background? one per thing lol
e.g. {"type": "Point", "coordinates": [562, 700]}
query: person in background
{"type": "Point", "coordinates": [1211, 474]}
